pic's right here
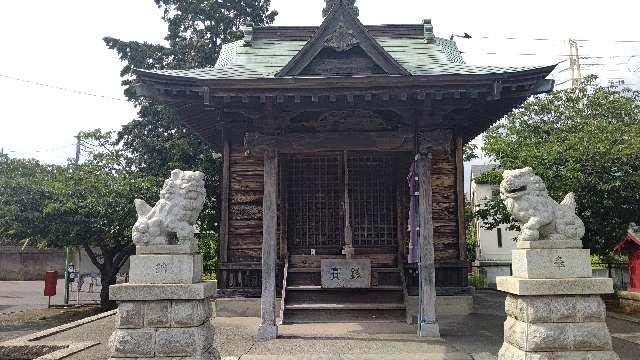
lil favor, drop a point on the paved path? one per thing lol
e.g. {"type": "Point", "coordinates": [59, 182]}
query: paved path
{"type": "Point", "coordinates": [18, 295]}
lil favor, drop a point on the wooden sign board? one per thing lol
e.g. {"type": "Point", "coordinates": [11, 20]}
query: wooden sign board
{"type": "Point", "coordinates": [345, 273]}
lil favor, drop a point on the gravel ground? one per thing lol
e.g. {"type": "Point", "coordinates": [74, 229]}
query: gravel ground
{"type": "Point", "coordinates": [29, 320]}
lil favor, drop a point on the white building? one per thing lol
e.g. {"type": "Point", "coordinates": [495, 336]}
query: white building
{"type": "Point", "coordinates": [493, 249]}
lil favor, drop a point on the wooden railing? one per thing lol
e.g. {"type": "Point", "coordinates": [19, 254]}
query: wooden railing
{"type": "Point", "coordinates": [284, 289]}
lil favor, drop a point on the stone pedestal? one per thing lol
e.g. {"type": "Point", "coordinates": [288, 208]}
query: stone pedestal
{"type": "Point", "coordinates": [629, 301]}
{"type": "Point", "coordinates": [554, 309]}
{"type": "Point", "coordinates": [165, 310]}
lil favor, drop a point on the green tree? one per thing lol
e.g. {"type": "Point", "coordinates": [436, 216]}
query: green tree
{"type": "Point", "coordinates": [196, 30]}
{"type": "Point", "coordinates": [584, 140]}
{"type": "Point", "coordinates": [89, 205]}
{"type": "Point", "coordinates": [470, 231]}
{"type": "Point", "coordinates": [469, 152]}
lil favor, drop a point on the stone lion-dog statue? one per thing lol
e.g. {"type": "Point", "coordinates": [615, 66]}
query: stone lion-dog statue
{"type": "Point", "coordinates": [172, 218]}
{"type": "Point", "coordinates": [541, 217]}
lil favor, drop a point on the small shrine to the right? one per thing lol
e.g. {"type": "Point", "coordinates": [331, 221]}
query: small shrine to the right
{"type": "Point", "coordinates": [630, 299]}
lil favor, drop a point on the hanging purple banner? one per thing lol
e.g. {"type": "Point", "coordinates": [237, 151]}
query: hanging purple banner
{"type": "Point", "coordinates": [414, 227]}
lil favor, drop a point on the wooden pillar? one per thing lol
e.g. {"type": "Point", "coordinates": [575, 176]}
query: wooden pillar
{"type": "Point", "coordinates": [224, 208]}
{"type": "Point", "coordinates": [462, 241]}
{"type": "Point", "coordinates": [427, 323]}
{"type": "Point", "coordinates": [268, 329]}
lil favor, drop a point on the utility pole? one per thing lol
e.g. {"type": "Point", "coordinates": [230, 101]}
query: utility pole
{"type": "Point", "coordinates": [67, 248]}
{"type": "Point", "coordinates": [574, 63]}
{"type": "Point", "coordinates": [77, 148]}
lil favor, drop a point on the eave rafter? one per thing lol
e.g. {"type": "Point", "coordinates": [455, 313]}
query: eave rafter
{"type": "Point", "coordinates": [238, 98]}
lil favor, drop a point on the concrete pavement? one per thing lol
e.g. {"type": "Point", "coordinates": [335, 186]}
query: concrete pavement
{"type": "Point", "coordinates": [19, 295]}
{"type": "Point", "coordinates": [477, 336]}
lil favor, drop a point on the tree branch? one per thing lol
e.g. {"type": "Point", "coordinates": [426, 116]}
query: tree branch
{"type": "Point", "coordinates": [93, 257]}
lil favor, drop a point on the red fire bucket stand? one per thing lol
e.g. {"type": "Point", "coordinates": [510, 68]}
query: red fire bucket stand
{"type": "Point", "coordinates": [50, 284]}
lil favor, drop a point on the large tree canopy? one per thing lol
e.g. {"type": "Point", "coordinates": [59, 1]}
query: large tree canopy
{"type": "Point", "coordinates": [584, 140]}
{"type": "Point", "coordinates": [88, 204]}
{"type": "Point", "coordinates": [196, 30]}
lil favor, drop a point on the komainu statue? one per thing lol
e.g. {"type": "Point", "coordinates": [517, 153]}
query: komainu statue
{"type": "Point", "coordinates": [541, 217]}
{"type": "Point", "coordinates": [171, 220]}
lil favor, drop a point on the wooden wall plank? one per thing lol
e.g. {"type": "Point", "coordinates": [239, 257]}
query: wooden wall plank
{"type": "Point", "coordinates": [460, 197]}
{"type": "Point", "coordinates": [444, 208]}
{"type": "Point", "coordinates": [246, 174]}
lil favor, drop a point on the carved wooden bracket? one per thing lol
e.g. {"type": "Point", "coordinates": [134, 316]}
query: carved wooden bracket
{"type": "Point", "coordinates": [437, 140]}
{"type": "Point", "coordinates": [341, 39]}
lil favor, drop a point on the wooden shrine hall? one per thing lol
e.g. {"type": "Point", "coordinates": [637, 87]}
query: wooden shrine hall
{"type": "Point", "coordinates": [319, 128]}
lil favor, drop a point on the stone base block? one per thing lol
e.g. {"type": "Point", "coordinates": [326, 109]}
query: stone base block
{"type": "Point", "coordinates": [556, 308]}
{"type": "Point", "coordinates": [587, 336]}
{"type": "Point", "coordinates": [550, 244]}
{"type": "Point", "coordinates": [508, 352]}
{"type": "Point", "coordinates": [194, 342]}
{"type": "Point", "coordinates": [629, 301]}
{"type": "Point", "coordinates": [163, 313]}
{"type": "Point", "coordinates": [573, 286]}
{"type": "Point", "coordinates": [267, 332]}
{"type": "Point", "coordinates": [551, 263]}
{"type": "Point", "coordinates": [132, 292]}
{"type": "Point", "coordinates": [165, 269]}
{"type": "Point", "coordinates": [431, 330]}
{"type": "Point", "coordinates": [445, 305]}
{"type": "Point", "coordinates": [190, 247]}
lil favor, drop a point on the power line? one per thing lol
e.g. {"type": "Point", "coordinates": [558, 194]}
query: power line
{"type": "Point", "coordinates": [563, 55]}
{"type": "Point", "coordinates": [74, 91]}
{"type": "Point", "coordinates": [624, 41]}
{"type": "Point", "coordinates": [53, 149]}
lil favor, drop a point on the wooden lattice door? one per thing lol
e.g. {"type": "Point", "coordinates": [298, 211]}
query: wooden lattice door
{"type": "Point", "coordinates": [372, 198]}
{"type": "Point", "coordinates": [316, 198]}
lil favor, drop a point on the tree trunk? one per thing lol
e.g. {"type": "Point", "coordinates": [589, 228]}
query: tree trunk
{"type": "Point", "coordinates": [105, 303]}
{"type": "Point", "coordinates": [109, 267]}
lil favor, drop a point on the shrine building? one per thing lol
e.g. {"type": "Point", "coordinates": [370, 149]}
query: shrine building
{"type": "Point", "coordinates": [319, 128]}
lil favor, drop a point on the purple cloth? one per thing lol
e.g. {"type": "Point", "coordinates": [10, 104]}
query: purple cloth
{"type": "Point", "coordinates": [414, 216]}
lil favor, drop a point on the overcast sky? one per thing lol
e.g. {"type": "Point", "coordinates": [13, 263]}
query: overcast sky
{"type": "Point", "coordinates": [59, 43]}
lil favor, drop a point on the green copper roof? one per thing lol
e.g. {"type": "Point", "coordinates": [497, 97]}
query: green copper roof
{"type": "Point", "coordinates": [262, 59]}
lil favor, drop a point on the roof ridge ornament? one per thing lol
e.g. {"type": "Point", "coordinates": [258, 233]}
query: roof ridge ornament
{"type": "Point", "coordinates": [429, 36]}
{"type": "Point", "coordinates": [349, 4]}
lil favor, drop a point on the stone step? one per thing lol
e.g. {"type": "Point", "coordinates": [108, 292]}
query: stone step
{"type": "Point", "coordinates": [344, 306]}
{"type": "Point", "coordinates": [317, 294]}
{"type": "Point", "coordinates": [362, 356]}
{"type": "Point", "coordinates": [315, 314]}
{"type": "Point", "coordinates": [319, 288]}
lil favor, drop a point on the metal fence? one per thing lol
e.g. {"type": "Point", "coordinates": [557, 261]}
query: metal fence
{"type": "Point", "coordinates": [483, 276]}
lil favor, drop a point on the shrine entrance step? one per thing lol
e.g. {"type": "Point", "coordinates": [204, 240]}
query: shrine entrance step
{"type": "Point", "coordinates": [307, 302]}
